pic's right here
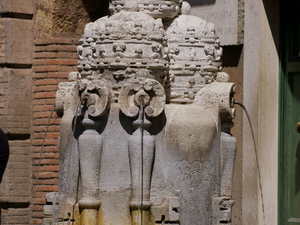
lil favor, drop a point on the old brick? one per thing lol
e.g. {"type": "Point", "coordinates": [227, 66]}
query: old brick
{"type": "Point", "coordinates": [14, 220]}
{"type": "Point", "coordinates": [71, 62]}
{"type": "Point", "coordinates": [19, 158]}
{"type": "Point", "coordinates": [50, 181]}
{"type": "Point", "coordinates": [48, 155]}
{"type": "Point", "coordinates": [39, 102]}
{"type": "Point", "coordinates": [46, 82]}
{"type": "Point", "coordinates": [46, 162]}
{"type": "Point", "coordinates": [64, 48]}
{"type": "Point", "coordinates": [38, 214]}
{"type": "Point", "coordinates": [39, 201]}
{"type": "Point", "coordinates": [50, 101]}
{"type": "Point", "coordinates": [57, 40]}
{"type": "Point", "coordinates": [43, 68]}
{"type": "Point", "coordinates": [47, 175]}
{"type": "Point", "coordinates": [37, 221]}
{"type": "Point", "coordinates": [45, 88]}
{"type": "Point", "coordinates": [18, 172]}
{"type": "Point", "coordinates": [55, 55]}
{"type": "Point", "coordinates": [44, 95]}
{"type": "Point", "coordinates": [51, 168]}
{"type": "Point", "coordinates": [17, 165]}
{"type": "Point", "coordinates": [54, 128]}
{"type": "Point", "coordinates": [40, 48]}
{"type": "Point", "coordinates": [50, 135]}
{"type": "Point", "coordinates": [45, 121]}
{"type": "Point", "coordinates": [19, 143]}
{"type": "Point", "coordinates": [18, 199]}
{"type": "Point", "coordinates": [42, 108]}
{"type": "Point", "coordinates": [39, 142]}
{"type": "Point", "coordinates": [59, 75]}
{"type": "Point", "coordinates": [42, 114]}
{"type": "Point", "coordinates": [17, 6]}
{"type": "Point", "coordinates": [46, 149]}
{"type": "Point", "coordinates": [45, 188]}
{"type": "Point", "coordinates": [38, 62]}
{"type": "Point", "coordinates": [37, 208]}
{"type": "Point", "coordinates": [17, 179]}
{"type": "Point", "coordinates": [36, 195]}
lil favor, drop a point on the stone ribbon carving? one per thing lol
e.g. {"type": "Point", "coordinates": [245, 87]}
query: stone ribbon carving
{"type": "Point", "coordinates": [145, 129]}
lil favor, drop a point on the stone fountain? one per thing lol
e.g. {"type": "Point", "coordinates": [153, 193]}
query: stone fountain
{"type": "Point", "coordinates": [145, 129]}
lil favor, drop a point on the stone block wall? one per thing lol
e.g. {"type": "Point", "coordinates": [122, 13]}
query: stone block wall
{"type": "Point", "coordinates": [23, 7]}
{"type": "Point", "coordinates": [16, 102]}
{"type": "Point", "coordinates": [54, 58]}
{"type": "Point", "coordinates": [16, 51]}
{"type": "Point", "coordinates": [16, 185]}
{"type": "Point", "coordinates": [16, 45]}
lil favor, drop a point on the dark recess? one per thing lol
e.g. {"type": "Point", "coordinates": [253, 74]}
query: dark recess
{"type": "Point", "coordinates": [7, 205]}
{"type": "Point", "coordinates": [14, 137]}
{"type": "Point", "coordinates": [231, 55]}
{"type": "Point", "coordinates": [201, 2]}
{"type": "Point", "coordinates": [16, 15]}
{"type": "Point", "coordinates": [96, 9]}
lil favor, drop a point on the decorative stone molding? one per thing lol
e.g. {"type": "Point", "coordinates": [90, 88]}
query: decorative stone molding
{"type": "Point", "coordinates": [195, 56]}
{"type": "Point", "coordinates": [155, 8]}
{"type": "Point", "coordinates": [221, 210]}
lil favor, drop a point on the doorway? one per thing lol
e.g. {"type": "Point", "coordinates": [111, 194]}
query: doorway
{"type": "Point", "coordinates": [289, 155]}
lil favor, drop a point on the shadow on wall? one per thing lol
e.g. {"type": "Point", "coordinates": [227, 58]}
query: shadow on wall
{"type": "Point", "coordinates": [96, 9]}
{"type": "Point", "coordinates": [201, 2]}
{"type": "Point", "coordinates": [272, 12]}
{"type": "Point", "coordinates": [231, 55]}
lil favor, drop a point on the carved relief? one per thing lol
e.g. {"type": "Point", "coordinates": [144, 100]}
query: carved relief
{"type": "Point", "coordinates": [195, 56]}
{"type": "Point", "coordinates": [142, 99]}
{"type": "Point", "coordinates": [95, 96]}
{"type": "Point", "coordinates": [177, 159]}
{"type": "Point", "coordinates": [155, 8]}
{"type": "Point", "coordinates": [193, 179]}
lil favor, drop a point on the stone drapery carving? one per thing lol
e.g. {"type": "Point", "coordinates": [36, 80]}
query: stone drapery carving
{"type": "Point", "coordinates": [145, 129]}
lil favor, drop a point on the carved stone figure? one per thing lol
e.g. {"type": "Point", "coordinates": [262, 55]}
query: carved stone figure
{"type": "Point", "coordinates": [145, 130]}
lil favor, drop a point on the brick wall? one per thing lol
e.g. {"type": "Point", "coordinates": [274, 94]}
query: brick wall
{"type": "Point", "coordinates": [30, 69]}
{"type": "Point", "coordinates": [54, 58]}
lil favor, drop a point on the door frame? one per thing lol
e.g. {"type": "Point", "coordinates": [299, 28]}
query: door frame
{"type": "Point", "coordinates": [285, 109]}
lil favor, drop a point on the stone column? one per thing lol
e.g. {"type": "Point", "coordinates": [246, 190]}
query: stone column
{"type": "Point", "coordinates": [90, 146]}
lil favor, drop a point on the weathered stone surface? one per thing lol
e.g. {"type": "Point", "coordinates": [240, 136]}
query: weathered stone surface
{"type": "Point", "coordinates": [156, 9]}
{"type": "Point", "coordinates": [226, 15]}
{"type": "Point", "coordinates": [16, 6]}
{"type": "Point", "coordinates": [16, 183]}
{"type": "Point", "coordinates": [146, 121]}
{"type": "Point", "coordinates": [14, 216]}
{"type": "Point", "coordinates": [66, 18]}
{"type": "Point", "coordinates": [16, 94]}
{"type": "Point", "coordinates": [17, 41]}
